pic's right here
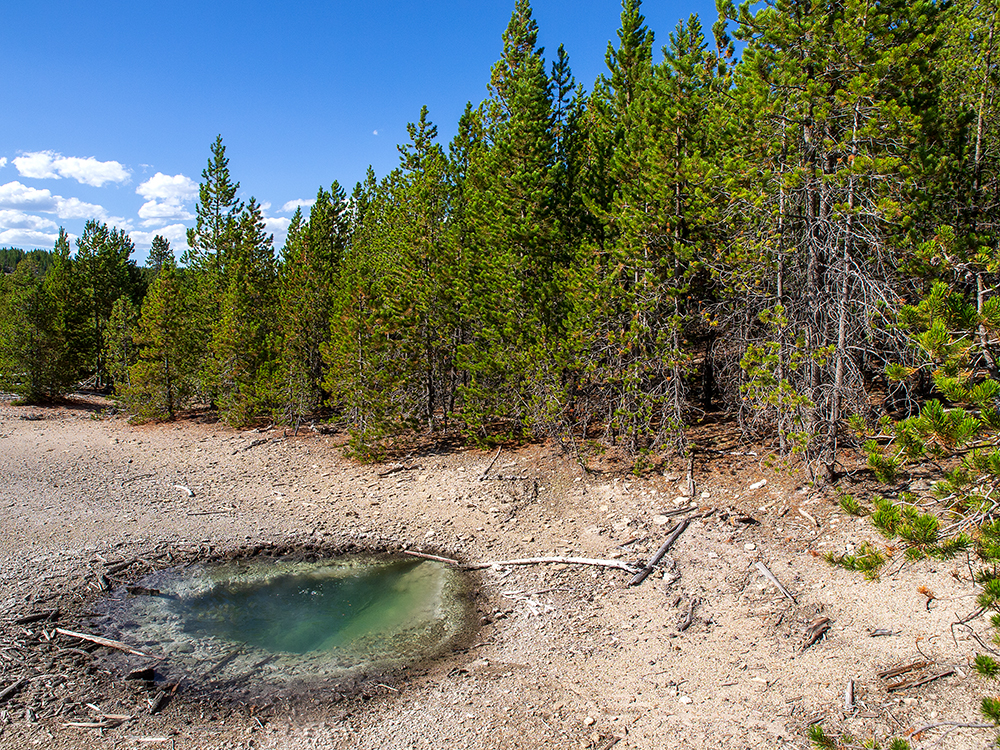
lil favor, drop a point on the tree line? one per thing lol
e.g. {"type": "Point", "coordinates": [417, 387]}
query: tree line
{"type": "Point", "coordinates": [701, 230]}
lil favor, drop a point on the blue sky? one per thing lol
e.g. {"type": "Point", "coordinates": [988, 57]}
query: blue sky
{"type": "Point", "coordinates": [110, 107]}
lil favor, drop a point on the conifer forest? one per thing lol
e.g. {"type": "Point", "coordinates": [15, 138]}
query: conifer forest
{"type": "Point", "coordinates": [789, 216]}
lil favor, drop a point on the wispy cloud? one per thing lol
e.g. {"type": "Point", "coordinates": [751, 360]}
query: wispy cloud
{"type": "Point", "coordinates": [3, 162]}
{"type": "Point", "coordinates": [11, 218]}
{"type": "Point", "coordinates": [298, 202]}
{"type": "Point", "coordinates": [175, 234]}
{"type": "Point", "coordinates": [41, 165]}
{"type": "Point", "coordinates": [27, 238]}
{"type": "Point", "coordinates": [15, 195]}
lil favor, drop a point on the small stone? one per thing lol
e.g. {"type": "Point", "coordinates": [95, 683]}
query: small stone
{"type": "Point", "coordinates": [705, 495]}
{"type": "Point", "coordinates": [589, 721]}
{"type": "Point", "coordinates": [687, 700]}
{"type": "Point", "coordinates": [749, 546]}
{"type": "Point", "coordinates": [661, 520]}
{"type": "Point", "coordinates": [713, 555]}
{"type": "Point", "coordinates": [757, 485]}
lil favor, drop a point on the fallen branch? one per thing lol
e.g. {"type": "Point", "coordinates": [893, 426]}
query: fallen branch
{"type": "Point", "coordinates": [483, 476]}
{"type": "Point", "coordinates": [104, 642]}
{"type": "Point", "coordinates": [49, 614]}
{"type": "Point", "coordinates": [162, 698]}
{"type": "Point", "coordinates": [7, 692]}
{"type": "Point", "coordinates": [425, 556]}
{"type": "Point", "coordinates": [555, 560]}
{"type": "Point", "coordinates": [956, 724]}
{"type": "Point", "coordinates": [211, 513]}
{"type": "Point", "coordinates": [771, 577]}
{"type": "Point", "coordinates": [644, 573]}
{"type": "Point", "coordinates": [888, 674]}
{"type": "Point", "coordinates": [917, 683]}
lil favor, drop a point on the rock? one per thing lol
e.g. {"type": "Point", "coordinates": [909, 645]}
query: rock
{"type": "Point", "coordinates": [589, 721]}
{"type": "Point", "coordinates": [757, 485]}
{"type": "Point", "coordinates": [661, 520]}
{"type": "Point", "coordinates": [749, 546]}
{"type": "Point", "coordinates": [705, 495]}
{"type": "Point", "coordinates": [687, 700]}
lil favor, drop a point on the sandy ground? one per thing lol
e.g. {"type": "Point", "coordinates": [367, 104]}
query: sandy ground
{"type": "Point", "coordinates": [567, 656]}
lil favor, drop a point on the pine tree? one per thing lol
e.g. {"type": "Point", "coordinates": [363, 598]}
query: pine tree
{"type": "Point", "coordinates": [159, 252]}
{"type": "Point", "coordinates": [243, 337]}
{"type": "Point", "coordinates": [162, 379]}
{"type": "Point", "coordinates": [106, 273]}
{"type": "Point", "coordinates": [210, 244]}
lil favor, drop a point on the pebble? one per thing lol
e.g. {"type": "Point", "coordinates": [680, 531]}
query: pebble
{"type": "Point", "coordinates": [757, 485]}
{"type": "Point", "coordinates": [661, 520]}
{"type": "Point", "coordinates": [749, 546]}
{"type": "Point", "coordinates": [589, 721]}
{"type": "Point", "coordinates": [687, 700]}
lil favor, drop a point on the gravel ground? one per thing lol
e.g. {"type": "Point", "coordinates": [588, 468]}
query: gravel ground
{"type": "Point", "coordinates": [706, 653]}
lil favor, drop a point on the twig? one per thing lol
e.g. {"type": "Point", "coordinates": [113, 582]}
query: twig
{"type": "Point", "coordinates": [162, 698]}
{"type": "Point", "coordinates": [644, 573]}
{"type": "Point", "coordinates": [182, 488]}
{"type": "Point", "coordinates": [425, 556]}
{"type": "Point", "coordinates": [928, 727]}
{"type": "Point", "coordinates": [9, 691]}
{"type": "Point", "coordinates": [770, 576]}
{"type": "Point", "coordinates": [483, 476]}
{"type": "Point", "coordinates": [104, 642]}
{"type": "Point", "coordinates": [211, 513]}
{"type": "Point", "coordinates": [906, 684]}
{"type": "Point", "coordinates": [817, 629]}
{"type": "Point", "coordinates": [888, 674]}
{"type": "Point", "coordinates": [49, 614]}
{"type": "Point", "coordinates": [688, 618]}
{"type": "Point", "coordinates": [557, 560]}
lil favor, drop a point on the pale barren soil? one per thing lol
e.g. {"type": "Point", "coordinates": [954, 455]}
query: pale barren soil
{"type": "Point", "coordinates": [567, 656]}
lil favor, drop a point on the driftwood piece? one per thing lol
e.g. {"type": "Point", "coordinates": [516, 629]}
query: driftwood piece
{"type": "Point", "coordinates": [773, 579]}
{"type": "Point", "coordinates": [553, 560]}
{"type": "Point", "coordinates": [7, 692]}
{"type": "Point", "coordinates": [644, 573]}
{"type": "Point", "coordinates": [425, 556]}
{"type": "Point", "coordinates": [104, 642]}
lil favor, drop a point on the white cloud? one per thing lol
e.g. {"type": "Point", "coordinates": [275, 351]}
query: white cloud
{"type": "Point", "coordinates": [277, 224]}
{"type": "Point", "coordinates": [3, 162]}
{"type": "Point", "coordinates": [169, 189]}
{"type": "Point", "coordinates": [52, 165]}
{"type": "Point", "coordinates": [175, 234]}
{"type": "Point", "coordinates": [13, 219]}
{"type": "Point", "coordinates": [18, 196]}
{"type": "Point", "coordinates": [298, 202]}
{"type": "Point", "coordinates": [155, 213]}
{"type": "Point", "coordinates": [27, 238]}
{"type": "Point", "coordinates": [374, 132]}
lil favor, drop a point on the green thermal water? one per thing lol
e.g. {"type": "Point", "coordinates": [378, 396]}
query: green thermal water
{"type": "Point", "coordinates": [268, 624]}
{"type": "Point", "coordinates": [326, 608]}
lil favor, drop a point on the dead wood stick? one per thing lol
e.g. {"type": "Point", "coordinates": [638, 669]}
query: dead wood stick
{"type": "Point", "coordinates": [104, 642]}
{"type": "Point", "coordinates": [849, 696]}
{"type": "Point", "coordinates": [162, 698]}
{"type": "Point", "coordinates": [817, 629]}
{"type": "Point", "coordinates": [888, 674]}
{"type": "Point", "coordinates": [956, 724]}
{"type": "Point", "coordinates": [425, 556]}
{"type": "Point", "coordinates": [396, 470]}
{"type": "Point", "coordinates": [48, 614]}
{"type": "Point", "coordinates": [690, 476]}
{"type": "Point", "coordinates": [7, 692]}
{"type": "Point", "coordinates": [906, 684]}
{"type": "Point", "coordinates": [771, 577]}
{"type": "Point", "coordinates": [483, 476]}
{"type": "Point", "coordinates": [136, 478]}
{"type": "Point", "coordinates": [688, 618]}
{"type": "Point", "coordinates": [557, 560]}
{"type": "Point", "coordinates": [644, 573]}
{"type": "Point", "coordinates": [210, 513]}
